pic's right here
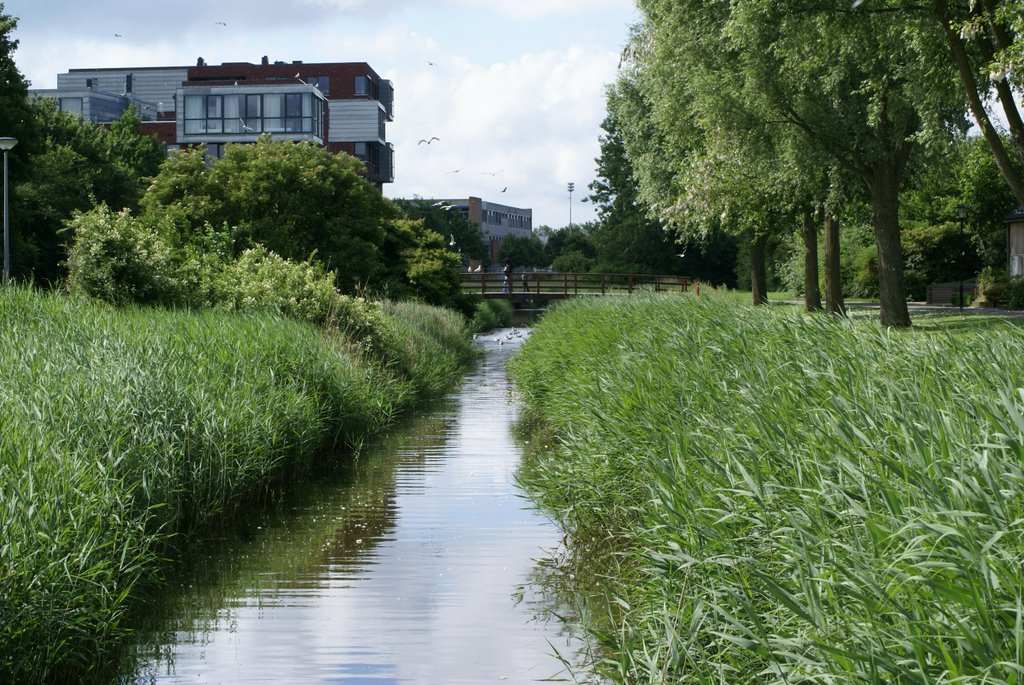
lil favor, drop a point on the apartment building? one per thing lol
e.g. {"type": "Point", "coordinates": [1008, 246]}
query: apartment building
{"type": "Point", "coordinates": [496, 221]}
{"type": "Point", "coordinates": [343, 106]}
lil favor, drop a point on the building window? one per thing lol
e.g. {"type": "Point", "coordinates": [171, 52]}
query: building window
{"type": "Point", "coordinates": [321, 83]}
{"type": "Point", "coordinates": [195, 114]}
{"type": "Point", "coordinates": [273, 113]}
{"type": "Point", "coordinates": [254, 114]}
{"type": "Point", "coordinates": [71, 105]}
{"type": "Point", "coordinates": [234, 107]}
{"type": "Point", "coordinates": [362, 85]}
{"type": "Point", "coordinates": [361, 151]}
{"type": "Point", "coordinates": [293, 114]}
{"type": "Point", "coordinates": [214, 113]}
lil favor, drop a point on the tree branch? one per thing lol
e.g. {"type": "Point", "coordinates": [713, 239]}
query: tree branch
{"type": "Point", "coordinates": [970, 84]}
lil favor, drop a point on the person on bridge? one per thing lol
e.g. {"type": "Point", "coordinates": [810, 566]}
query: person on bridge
{"type": "Point", "coordinates": [526, 284]}
{"type": "Point", "coordinates": [508, 277]}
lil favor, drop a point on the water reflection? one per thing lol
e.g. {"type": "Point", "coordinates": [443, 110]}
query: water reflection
{"type": "Point", "coordinates": [412, 565]}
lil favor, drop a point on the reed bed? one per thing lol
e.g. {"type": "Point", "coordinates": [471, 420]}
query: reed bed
{"type": "Point", "coordinates": [125, 430]}
{"type": "Point", "coordinates": [790, 498]}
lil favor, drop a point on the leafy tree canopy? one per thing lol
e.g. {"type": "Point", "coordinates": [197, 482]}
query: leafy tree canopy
{"type": "Point", "coordinates": [466, 236]}
{"type": "Point", "coordinates": [523, 252]}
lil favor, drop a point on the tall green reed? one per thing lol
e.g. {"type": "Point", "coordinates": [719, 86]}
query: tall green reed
{"type": "Point", "coordinates": [808, 499]}
{"type": "Point", "coordinates": [123, 429]}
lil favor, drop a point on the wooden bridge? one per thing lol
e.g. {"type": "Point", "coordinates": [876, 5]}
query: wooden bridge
{"type": "Point", "coordinates": [541, 286]}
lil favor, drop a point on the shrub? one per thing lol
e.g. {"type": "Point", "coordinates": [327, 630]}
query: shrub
{"type": "Point", "coordinates": [426, 344]}
{"type": "Point", "coordinates": [491, 314]}
{"type": "Point", "coordinates": [998, 290]}
{"type": "Point", "coordinates": [261, 280]}
{"type": "Point", "coordinates": [120, 259]}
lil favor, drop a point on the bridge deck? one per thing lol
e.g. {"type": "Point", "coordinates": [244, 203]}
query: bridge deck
{"type": "Point", "coordinates": [549, 285]}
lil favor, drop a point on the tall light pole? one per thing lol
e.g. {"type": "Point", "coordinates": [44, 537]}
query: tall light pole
{"type": "Point", "coordinates": [572, 187]}
{"type": "Point", "coordinates": [7, 144]}
{"type": "Point", "coordinates": [961, 213]}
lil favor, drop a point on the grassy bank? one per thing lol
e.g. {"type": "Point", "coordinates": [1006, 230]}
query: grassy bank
{"type": "Point", "coordinates": [125, 429]}
{"type": "Point", "coordinates": [792, 498]}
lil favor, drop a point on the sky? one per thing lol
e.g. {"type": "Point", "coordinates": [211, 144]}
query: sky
{"type": "Point", "coordinates": [514, 91]}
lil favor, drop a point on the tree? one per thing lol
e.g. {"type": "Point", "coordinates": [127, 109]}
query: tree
{"type": "Point", "coordinates": [74, 165]}
{"type": "Point", "coordinates": [978, 186]}
{"type": "Point", "coordinates": [573, 239]}
{"type": "Point", "coordinates": [15, 116]}
{"type": "Point", "coordinates": [982, 39]}
{"type": "Point", "coordinates": [625, 238]}
{"type": "Point", "coordinates": [519, 251]}
{"type": "Point", "coordinates": [138, 153]}
{"type": "Point", "coordinates": [295, 199]}
{"type": "Point", "coordinates": [423, 265]}
{"type": "Point", "coordinates": [629, 236]}
{"type": "Point", "coordinates": [850, 82]}
{"type": "Point", "coordinates": [16, 121]}
{"type": "Point", "coordinates": [691, 175]}
{"type": "Point", "coordinates": [302, 203]}
{"type": "Point", "coordinates": [468, 239]}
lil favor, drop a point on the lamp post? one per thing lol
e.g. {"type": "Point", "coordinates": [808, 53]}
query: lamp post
{"type": "Point", "coordinates": [572, 187]}
{"type": "Point", "coordinates": [961, 213]}
{"type": "Point", "coordinates": [7, 144]}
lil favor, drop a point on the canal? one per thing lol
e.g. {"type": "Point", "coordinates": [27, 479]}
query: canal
{"type": "Point", "coordinates": [417, 563]}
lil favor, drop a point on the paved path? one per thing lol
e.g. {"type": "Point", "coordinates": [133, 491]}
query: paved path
{"type": "Point", "coordinates": [925, 307]}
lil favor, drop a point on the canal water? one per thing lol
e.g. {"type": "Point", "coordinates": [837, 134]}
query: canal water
{"type": "Point", "coordinates": [416, 564]}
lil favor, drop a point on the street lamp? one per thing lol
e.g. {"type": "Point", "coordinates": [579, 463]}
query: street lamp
{"type": "Point", "coordinates": [572, 187]}
{"type": "Point", "coordinates": [7, 144]}
{"type": "Point", "coordinates": [961, 213]}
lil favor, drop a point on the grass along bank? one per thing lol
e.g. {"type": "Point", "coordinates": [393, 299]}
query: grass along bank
{"type": "Point", "coordinates": [791, 498]}
{"type": "Point", "coordinates": [123, 429]}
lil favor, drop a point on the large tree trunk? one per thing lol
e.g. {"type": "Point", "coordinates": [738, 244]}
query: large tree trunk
{"type": "Point", "coordinates": [758, 269]}
{"type": "Point", "coordinates": [884, 185]}
{"type": "Point", "coordinates": [812, 293]}
{"type": "Point", "coordinates": [833, 272]}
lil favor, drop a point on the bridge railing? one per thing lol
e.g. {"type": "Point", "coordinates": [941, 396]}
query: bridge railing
{"type": "Point", "coordinates": [566, 284]}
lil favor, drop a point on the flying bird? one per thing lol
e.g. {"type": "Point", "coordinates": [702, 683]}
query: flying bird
{"type": "Point", "coordinates": [439, 203]}
{"type": "Point", "coordinates": [857, 3]}
{"type": "Point", "coordinates": [454, 171]}
{"type": "Point", "coordinates": [428, 141]}
{"type": "Point", "coordinates": [453, 239]}
{"type": "Point", "coordinates": [504, 189]}
{"type": "Point", "coordinates": [219, 23]}
{"type": "Point", "coordinates": [491, 173]}
{"type": "Point", "coordinates": [447, 207]}
{"type": "Point", "coordinates": [117, 35]}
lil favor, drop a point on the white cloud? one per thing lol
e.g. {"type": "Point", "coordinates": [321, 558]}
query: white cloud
{"type": "Point", "coordinates": [535, 119]}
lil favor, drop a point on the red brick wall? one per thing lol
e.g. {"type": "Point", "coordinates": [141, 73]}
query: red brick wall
{"type": "Point", "coordinates": [342, 75]}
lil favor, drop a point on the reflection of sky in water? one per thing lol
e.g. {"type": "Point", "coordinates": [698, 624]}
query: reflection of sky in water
{"type": "Point", "coordinates": [437, 596]}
